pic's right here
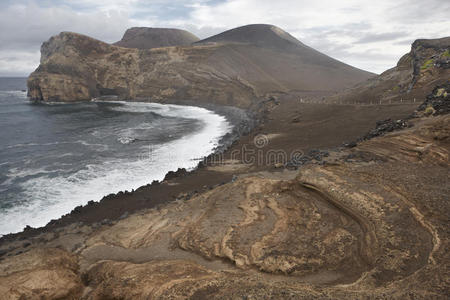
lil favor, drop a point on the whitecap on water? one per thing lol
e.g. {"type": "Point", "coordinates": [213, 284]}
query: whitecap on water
{"type": "Point", "coordinates": [51, 197]}
{"type": "Point", "coordinates": [17, 93]}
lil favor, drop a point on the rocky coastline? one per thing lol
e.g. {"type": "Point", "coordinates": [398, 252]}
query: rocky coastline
{"type": "Point", "coordinates": [85, 247]}
{"type": "Point", "coordinates": [242, 121]}
{"type": "Point", "coordinates": [287, 208]}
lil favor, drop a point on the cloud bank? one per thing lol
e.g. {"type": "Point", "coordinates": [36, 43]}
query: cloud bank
{"type": "Point", "coordinates": [370, 35]}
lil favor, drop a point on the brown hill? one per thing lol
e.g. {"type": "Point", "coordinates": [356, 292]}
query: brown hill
{"type": "Point", "coordinates": [416, 74]}
{"type": "Point", "coordinates": [289, 62]}
{"type": "Point", "coordinates": [234, 68]}
{"type": "Point", "coordinates": [263, 35]}
{"type": "Point", "coordinates": [147, 38]}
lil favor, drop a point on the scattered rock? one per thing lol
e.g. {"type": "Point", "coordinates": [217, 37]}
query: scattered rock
{"type": "Point", "coordinates": [178, 173]}
{"type": "Point", "coordinates": [28, 228]}
{"type": "Point", "coordinates": [124, 216]}
{"type": "Point", "coordinates": [350, 145]}
{"type": "Point", "coordinates": [318, 154]}
{"type": "Point", "coordinates": [438, 100]}
{"type": "Point", "coordinates": [385, 126]}
{"type": "Point", "coordinates": [278, 165]}
{"type": "Point", "coordinates": [296, 119]}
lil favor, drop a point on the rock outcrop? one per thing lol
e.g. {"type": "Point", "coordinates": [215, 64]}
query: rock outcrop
{"type": "Point", "coordinates": [256, 61]}
{"type": "Point", "coordinates": [41, 274]}
{"type": "Point", "coordinates": [414, 77]}
{"type": "Point", "coordinates": [147, 38]}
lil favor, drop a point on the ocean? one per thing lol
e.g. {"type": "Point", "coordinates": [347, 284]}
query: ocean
{"type": "Point", "coordinates": [54, 157]}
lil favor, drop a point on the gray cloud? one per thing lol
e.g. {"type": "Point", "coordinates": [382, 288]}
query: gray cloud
{"type": "Point", "coordinates": [373, 37]}
{"type": "Point", "coordinates": [367, 34]}
{"type": "Point", "coordinates": [18, 63]}
{"type": "Point", "coordinates": [25, 25]}
{"type": "Point", "coordinates": [29, 25]}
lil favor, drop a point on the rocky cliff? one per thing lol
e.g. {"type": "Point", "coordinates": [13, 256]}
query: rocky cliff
{"type": "Point", "coordinates": [252, 62]}
{"type": "Point", "coordinates": [147, 38]}
{"type": "Point", "coordinates": [415, 76]}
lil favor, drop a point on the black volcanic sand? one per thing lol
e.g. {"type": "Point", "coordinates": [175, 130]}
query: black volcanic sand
{"type": "Point", "coordinates": [288, 125]}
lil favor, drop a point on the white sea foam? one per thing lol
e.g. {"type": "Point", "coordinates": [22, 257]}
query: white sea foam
{"type": "Point", "coordinates": [126, 139]}
{"type": "Point", "coordinates": [51, 197]}
{"type": "Point", "coordinates": [129, 135]}
{"type": "Point", "coordinates": [84, 143]}
{"type": "Point", "coordinates": [21, 94]}
{"type": "Point", "coordinates": [16, 173]}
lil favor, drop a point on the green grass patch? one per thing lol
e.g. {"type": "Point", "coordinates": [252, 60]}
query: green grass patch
{"type": "Point", "coordinates": [427, 64]}
{"type": "Point", "coordinates": [446, 53]}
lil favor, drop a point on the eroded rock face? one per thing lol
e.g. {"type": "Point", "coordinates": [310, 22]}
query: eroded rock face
{"type": "Point", "coordinates": [75, 68]}
{"type": "Point", "coordinates": [276, 227]}
{"type": "Point", "coordinates": [124, 280]}
{"type": "Point", "coordinates": [40, 274]}
{"type": "Point", "coordinates": [255, 224]}
{"type": "Point", "coordinates": [230, 72]}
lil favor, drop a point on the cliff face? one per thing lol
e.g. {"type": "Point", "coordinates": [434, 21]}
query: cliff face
{"type": "Point", "coordinates": [414, 76]}
{"type": "Point", "coordinates": [147, 38]}
{"type": "Point", "coordinates": [233, 72]}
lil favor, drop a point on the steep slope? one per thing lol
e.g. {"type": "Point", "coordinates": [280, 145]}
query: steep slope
{"type": "Point", "coordinates": [75, 67]}
{"type": "Point", "coordinates": [415, 76]}
{"type": "Point", "coordinates": [147, 38]}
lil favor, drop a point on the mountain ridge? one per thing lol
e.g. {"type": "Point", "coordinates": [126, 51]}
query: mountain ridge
{"type": "Point", "coordinates": [265, 61]}
{"type": "Point", "coordinates": [259, 34]}
{"type": "Point", "coordinates": [148, 37]}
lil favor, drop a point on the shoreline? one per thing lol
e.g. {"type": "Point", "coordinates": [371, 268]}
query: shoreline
{"type": "Point", "coordinates": [114, 207]}
{"type": "Point", "coordinates": [242, 122]}
{"type": "Point", "coordinates": [174, 223]}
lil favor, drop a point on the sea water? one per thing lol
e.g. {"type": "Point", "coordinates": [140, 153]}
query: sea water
{"type": "Point", "coordinates": [54, 157]}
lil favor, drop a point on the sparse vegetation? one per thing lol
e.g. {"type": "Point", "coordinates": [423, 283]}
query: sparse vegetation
{"type": "Point", "coordinates": [429, 110]}
{"type": "Point", "coordinates": [440, 92]}
{"type": "Point", "coordinates": [446, 53]}
{"type": "Point", "coordinates": [427, 64]}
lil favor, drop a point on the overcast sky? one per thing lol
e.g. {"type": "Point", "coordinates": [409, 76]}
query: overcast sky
{"type": "Point", "coordinates": [370, 35]}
